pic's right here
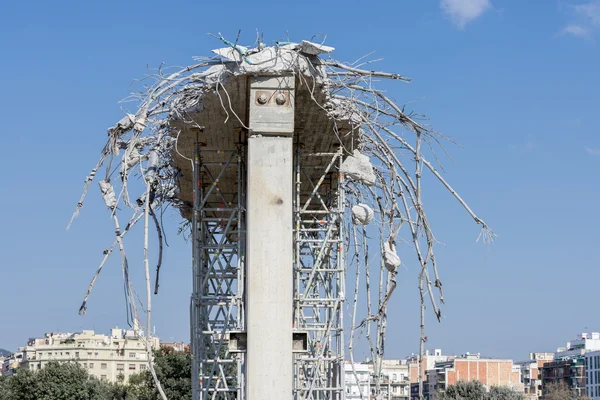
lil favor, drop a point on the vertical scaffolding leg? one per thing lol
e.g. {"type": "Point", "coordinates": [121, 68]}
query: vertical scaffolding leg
{"type": "Point", "coordinates": [217, 310]}
{"type": "Point", "coordinates": [319, 267]}
{"type": "Point", "coordinates": [195, 325]}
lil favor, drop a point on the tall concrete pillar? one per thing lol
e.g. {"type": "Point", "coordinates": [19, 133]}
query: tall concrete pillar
{"type": "Point", "coordinates": [269, 240]}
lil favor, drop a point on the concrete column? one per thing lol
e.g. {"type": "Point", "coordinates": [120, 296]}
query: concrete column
{"type": "Point", "coordinates": [269, 290]}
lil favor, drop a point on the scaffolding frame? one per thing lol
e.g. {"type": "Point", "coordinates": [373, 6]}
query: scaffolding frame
{"type": "Point", "coordinates": [218, 304]}
{"type": "Point", "coordinates": [319, 274]}
{"type": "Point", "coordinates": [217, 307]}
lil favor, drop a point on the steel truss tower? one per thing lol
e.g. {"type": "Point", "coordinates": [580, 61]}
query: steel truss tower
{"type": "Point", "coordinates": [319, 274]}
{"type": "Point", "coordinates": [217, 306]}
{"type": "Point", "coordinates": [218, 320]}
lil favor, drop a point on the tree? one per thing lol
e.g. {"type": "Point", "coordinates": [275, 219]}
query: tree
{"type": "Point", "coordinates": [463, 390]}
{"type": "Point", "coordinates": [475, 390]}
{"type": "Point", "coordinates": [21, 385]}
{"type": "Point", "coordinates": [56, 381]}
{"type": "Point", "coordinates": [69, 381]}
{"type": "Point", "coordinates": [560, 391]}
{"type": "Point", "coordinates": [504, 393]}
{"type": "Point", "coordinates": [174, 371]}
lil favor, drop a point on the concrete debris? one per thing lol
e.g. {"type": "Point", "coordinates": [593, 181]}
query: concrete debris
{"type": "Point", "coordinates": [232, 54]}
{"type": "Point", "coordinates": [314, 49]}
{"type": "Point", "coordinates": [390, 258]}
{"type": "Point", "coordinates": [123, 126]}
{"type": "Point", "coordinates": [359, 168]}
{"type": "Point", "coordinates": [308, 48]}
{"type": "Point", "coordinates": [108, 194]}
{"type": "Point", "coordinates": [133, 158]}
{"type": "Point", "coordinates": [362, 214]}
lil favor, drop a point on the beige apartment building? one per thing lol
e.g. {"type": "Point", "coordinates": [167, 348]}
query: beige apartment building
{"type": "Point", "coordinates": [108, 357]}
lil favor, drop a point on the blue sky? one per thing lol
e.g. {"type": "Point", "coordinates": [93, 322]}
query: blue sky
{"type": "Point", "coordinates": [515, 83]}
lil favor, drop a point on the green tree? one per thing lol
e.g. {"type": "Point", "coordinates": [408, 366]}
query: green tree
{"type": "Point", "coordinates": [475, 390]}
{"type": "Point", "coordinates": [4, 388]}
{"type": "Point", "coordinates": [56, 381]}
{"type": "Point", "coordinates": [463, 390]}
{"type": "Point", "coordinates": [21, 385]}
{"type": "Point", "coordinates": [504, 393]}
{"type": "Point", "coordinates": [173, 369]}
{"type": "Point", "coordinates": [560, 391]}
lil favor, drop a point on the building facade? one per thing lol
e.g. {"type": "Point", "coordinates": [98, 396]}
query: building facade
{"type": "Point", "coordinates": [584, 343]}
{"type": "Point", "coordinates": [430, 358]}
{"type": "Point", "coordinates": [568, 371]}
{"type": "Point", "coordinates": [531, 374]}
{"type": "Point", "coordinates": [113, 357]}
{"type": "Point", "coordinates": [592, 374]}
{"type": "Point", "coordinates": [569, 365]}
{"type": "Point", "coordinates": [471, 367]}
{"type": "Point", "coordinates": [357, 385]}
{"type": "Point", "coordinates": [394, 380]}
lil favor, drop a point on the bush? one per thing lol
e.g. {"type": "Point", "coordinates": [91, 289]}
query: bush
{"type": "Point", "coordinates": [475, 390]}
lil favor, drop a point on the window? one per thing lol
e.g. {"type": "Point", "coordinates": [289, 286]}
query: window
{"type": "Point", "coordinates": [132, 367]}
{"type": "Point", "coordinates": [91, 365]}
{"type": "Point", "coordinates": [96, 354]}
{"type": "Point", "coordinates": [143, 367]}
{"type": "Point", "coordinates": [89, 353]}
{"type": "Point", "coordinates": [131, 354]}
{"type": "Point", "coordinates": [103, 366]}
{"type": "Point", "coordinates": [77, 354]}
{"type": "Point", "coordinates": [394, 376]}
{"type": "Point", "coordinates": [84, 365]}
{"type": "Point", "coordinates": [102, 377]}
{"type": "Point", "coordinates": [67, 353]}
{"type": "Point", "coordinates": [120, 367]}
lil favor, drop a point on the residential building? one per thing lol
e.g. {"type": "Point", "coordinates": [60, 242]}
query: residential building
{"type": "Point", "coordinates": [414, 391]}
{"type": "Point", "coordinates": [592, 372]}
{"type": "Point", "coordinates": [11, 363]}
{"type": "Point", "coordinates": [570, 371]}
{"type": "Point", "coordinates": [430, 358]}
{"type": "Point", "coordinates": [568, 366]}
{"type": "Point", "coordinates": [531, 374]}
{"type": "Point", "coordinates": [111, 357]}
{"type": "Point", "coordinates": [176, 346]}
{"type": "Point", "coordinates": [584, 343]}
{"type": "Point", "coordinates": [357, 381]}
{"type": "Point", "coordinates": [394, 382]}
{"type": "Point", "coordinates": [471, 367]}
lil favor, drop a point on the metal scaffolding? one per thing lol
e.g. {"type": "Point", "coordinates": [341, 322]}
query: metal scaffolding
{"type": "Point", "coordinates": [217, 307]}
{"type": "Point", "coordinates": [319, 274]}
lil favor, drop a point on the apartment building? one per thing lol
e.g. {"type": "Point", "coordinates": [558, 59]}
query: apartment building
{"type": "Point", "coordinates": [472, 367]}
{"type": "Point", "coordinates": [584, 343]}
{"type": "Point", "coordinates": [531, 373]}
{"type": "Point", "coordinates": [570, 371]}
{"type": "Point", "coordinates": [112, 357]}
{"type": "Point", "coordinates": [592, 372]}
{"type": "Point", "coordinates": [357, 381]}
{"type": "Point", "coordinates": [10, 364]}
{"type": "Point", "coordinates": [394, 380]}
{"type": "Point", "coordinates": [430, 358]}
{"type": "Point", "coordinates": [569, 365]}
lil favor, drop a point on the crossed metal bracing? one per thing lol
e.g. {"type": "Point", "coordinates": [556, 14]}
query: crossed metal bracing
{"type": "Point", "coordinates": [319, 275]}
{"type": "Point", "coordinates": [217, 309]}
{"type": "Point", "coordinates": [218, 274]}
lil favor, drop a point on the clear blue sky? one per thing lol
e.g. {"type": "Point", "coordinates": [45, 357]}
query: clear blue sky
{"type": "Point", "coordinates": [516, 83]}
